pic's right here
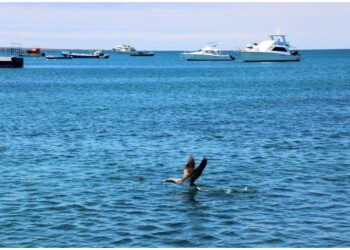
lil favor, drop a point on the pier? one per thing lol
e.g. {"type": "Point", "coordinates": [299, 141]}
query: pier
{"type": "Point", "coordinates": [11, 57]}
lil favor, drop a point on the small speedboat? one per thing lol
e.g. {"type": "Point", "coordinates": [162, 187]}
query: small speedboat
{"type": "Point", "coordinates": [209, 53]}
{"type": "Point", "coordinates": [142, 53]}
{"type": "Point", "coordinates": [275, 49]}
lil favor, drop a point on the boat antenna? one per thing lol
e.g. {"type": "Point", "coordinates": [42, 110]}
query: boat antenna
{"type": "Point", "coordinates": [214, 43]}
{"type": "Point", "coordinates": [277, 31]}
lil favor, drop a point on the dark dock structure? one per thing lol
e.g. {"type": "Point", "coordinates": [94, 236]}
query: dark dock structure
{"type": "Point", "coordinates": [11, 62]}
{"type": "Point", "coordinates": [12, 58]}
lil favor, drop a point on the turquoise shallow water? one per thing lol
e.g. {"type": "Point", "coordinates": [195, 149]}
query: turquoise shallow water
{"type": "Point", "coordinates": [86, 144]}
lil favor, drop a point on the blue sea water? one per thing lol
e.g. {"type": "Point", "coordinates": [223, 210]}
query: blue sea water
{"type": "Point", "coordinates": [85, 146]}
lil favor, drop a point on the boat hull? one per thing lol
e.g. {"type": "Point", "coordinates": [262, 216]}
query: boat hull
{"type": "Point", "coordinates": [84, 56]}
{"type": "Point", "coordinates": [267, 57]}
{"type": "Point", "coordinates": [124, 52]}
{"type": "Point", "coordinates": [197, 57]}
{"type": "Point", "coordinates": [142, 54]}
{"type": "Point", "coordinates": [58, 57]}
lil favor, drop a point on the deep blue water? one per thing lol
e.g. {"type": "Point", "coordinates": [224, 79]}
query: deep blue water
{"type": "Point", "coordinates": [86, 144]}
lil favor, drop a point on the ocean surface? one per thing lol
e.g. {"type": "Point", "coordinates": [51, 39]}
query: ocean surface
{"type": "Point", "coordinates": [86, 144]}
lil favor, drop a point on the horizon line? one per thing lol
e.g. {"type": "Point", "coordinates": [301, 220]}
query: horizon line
{"type": "Point", "coordinates": [2, 49]}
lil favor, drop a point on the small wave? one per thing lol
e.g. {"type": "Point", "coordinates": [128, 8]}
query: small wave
{"type": "Point", "coordinates": [3, 148]}
{"type": "Point", "coordinates": [148, 228]}
{"type": "Point", "coordinates": [208, 237]}
{"type": "Point", "coordinates": [181, 243]}
{"type": "Point", "coordinates": [64, 226]}
{"type": "Point", "coordinates": [229, 190]}
{"type": "Point", "coordinates": [236, 190]}
{"type": "Point", "coordinates": [206, 191]}
{"type": "Point", "coordinates": [122, 242]}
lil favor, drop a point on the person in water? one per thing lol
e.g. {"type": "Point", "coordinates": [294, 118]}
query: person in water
{"type": "Point", "coordinates": [190, 172]}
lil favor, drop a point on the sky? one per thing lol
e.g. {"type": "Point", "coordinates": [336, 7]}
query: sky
{"type": "Point", "coordinates": [172, 26]}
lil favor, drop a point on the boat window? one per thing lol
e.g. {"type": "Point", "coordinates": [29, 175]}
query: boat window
{"type": "Point", "coordinates": [279, 49]}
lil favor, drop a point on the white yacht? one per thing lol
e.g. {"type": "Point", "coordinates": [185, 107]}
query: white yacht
{"type": "Point", "coordinates": [209, 53]}
{"type": "Point", "coordinates": [275, 49]}
{"type": "Point", "coordinates": [125, 48]}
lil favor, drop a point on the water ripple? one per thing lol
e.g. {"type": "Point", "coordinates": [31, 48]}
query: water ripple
{"type": "Point", "coordinates": [85, 147]}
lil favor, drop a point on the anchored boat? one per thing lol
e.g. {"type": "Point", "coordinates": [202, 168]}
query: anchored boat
{"type": "Point", "coordinates": [209, 53]}
{"type": "Point", "coordinates": [275, 49]}
{"type": "Point", "coordinates": [58, 57]}
{"type": "Point", "coordinates": [125, 48]}
{"type": "Point", "coordinates": [96, 54]}
{"type": "Point", "coordinates": [142, 53]}
{"type": "Point", "coordinates": [33, 52]}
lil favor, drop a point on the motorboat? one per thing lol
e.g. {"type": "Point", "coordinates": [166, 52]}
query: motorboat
{"type": "Point", "coordinates": [33, 52]}
{"type": "Point", "coordinates": [96, 54]}
{"type": "Point", "coordinates": [49, 57]}
{"type": "Point", "coordinates": [142, 53]}
{"type": "Point", "coordinates": [100, 54]}
{"type": "Point", "coordinates": [275, 49]}
{"type": "Point", "coordinates": [125, 48]}
{"type": "Point", "coordinates": [210, 52]}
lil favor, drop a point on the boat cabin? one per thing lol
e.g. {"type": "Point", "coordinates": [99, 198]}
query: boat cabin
{"type": "Point", "coordinates": [279, 39]}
